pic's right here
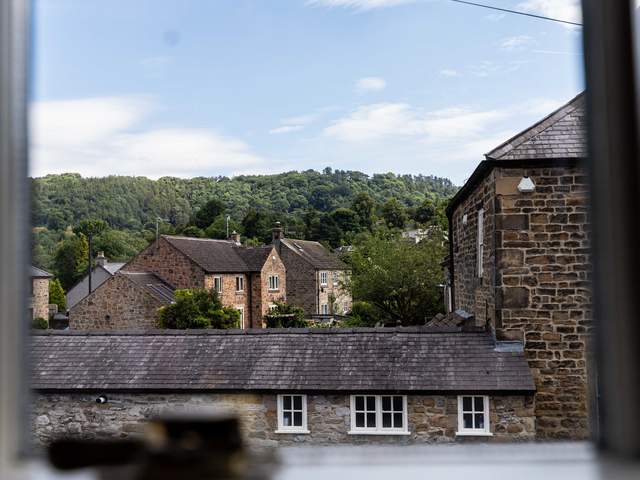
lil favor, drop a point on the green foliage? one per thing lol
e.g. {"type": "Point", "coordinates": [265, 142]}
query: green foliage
{"type": "Point", "coordinates": [394, 213]}
{"type": "Point", "coordinates": [90, 228]}
{"type": "Point", "coordinates": [56, 295]}
{"type": "Point", "coordinates": [218, 229]}
{"type": "Point", "coordinates": [39, 323]}
{"type": "Point", "coordinates": [285, 315]}
{"type": "Point", "coordinates": [206, 215]}
{"type": "Point", "coordinates": [398, 278]}
{"type": "Point", "coordinates": [118, 246]}
{"type": "Point", "coordinates": [192, 231]}
{"type": "Point", "coordinates": [70, 260]}
{"type": "Point", "coordinates": [362, 314]}
{"type": "Point", "coordinates": [425, 212]}
{"type": "Point", "coordinates": [197, 308]}
{"type": "Point", "coordinates": [364, 206]}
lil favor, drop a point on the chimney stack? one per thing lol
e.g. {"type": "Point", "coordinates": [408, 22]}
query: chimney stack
{"type": "Point", "coordinates": [277, 232]}
{"type": "Point", "coordinates": [235, 237]}
{"type": "Point", "coordinates": [100, 259]}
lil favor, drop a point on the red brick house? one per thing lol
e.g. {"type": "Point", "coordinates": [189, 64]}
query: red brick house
{"type": "Point", "coordinates": [520, 260]}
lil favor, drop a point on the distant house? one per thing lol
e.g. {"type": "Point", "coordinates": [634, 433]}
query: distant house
{"type": "Point", "coordinates": [39, 293]}
{"type": "Point", "coordinates": [315, 276]}
{"type": "Point", "coordinates": [101, 273]}
{"type": "Point", "coordinates": [416, 235]}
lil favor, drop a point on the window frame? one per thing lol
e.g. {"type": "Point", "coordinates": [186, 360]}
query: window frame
{"type": "Point", "coordinates": [474, 432]}
{"type": "Point", "coordinates": [240, 309]}
{"type": "Point", "coordinates": [276, 283]}
{"type": "Point", "coordinates": [217, 279]}
{"type": "Point", "coordinates": [281, 428]}
{"type": "Point", "coordinates": [378, 429]}
{"type": "Point", "coordinates": [480, 243]}
{"type": "Point", "coordinates": [324, 275]}
{"type": "Point", "coordinates": [239, 282]}
{"type": "Point", "coordinates": [324, 306]}
{"type": "Point", "coordinates": [335, 280]}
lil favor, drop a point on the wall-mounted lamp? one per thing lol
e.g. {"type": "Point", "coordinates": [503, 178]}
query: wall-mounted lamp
{"type": "Point", "coordinates": [464, 219]}
{"type": "Point", "coordinates": [526, 185]}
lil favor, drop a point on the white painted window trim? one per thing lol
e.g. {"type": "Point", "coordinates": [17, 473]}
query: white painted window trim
{"type": "Point", "coordinates": [240, 308]}
{"type": "Point", "coordinates": [274, 283]}
{"type": "Point", "coordinates": [480, 243]}
{"type": "Point", "coordinates": [324, 279]}
{"type": "Point", "coordinates": [297, 430]}
{"type": "Point", "coordinates": [219, 279]}
{"type": "Point", "coordinates": [474, 432]}
{"type": "Point", "coordinates": [323, 307]}
{"type": "Point", "coordinates": [240, 282]}
{"type": "Point", "coordinates": [379, 430]}
{"type": "Point", "coordinates": [335, 279]}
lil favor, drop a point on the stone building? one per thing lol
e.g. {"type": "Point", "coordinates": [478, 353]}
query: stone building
{"type": "Point", "coordinates": [328, 386]}
{"type": "Point", "coordinates": [102, 271]}
{"type": "Point", "coordinates": [520, 260]}
{"type": "Point", "coordinates": [315, 276]}
{"type": "Point", "coordinates": [39, 294]}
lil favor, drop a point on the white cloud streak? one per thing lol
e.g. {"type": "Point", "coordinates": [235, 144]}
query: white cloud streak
{"type": "Point", "coordinates": [517, 42]}
{"type": "Point", "coordinates": [370, 84]}
{"type": "Point", "coordinates": [449, 72]}
{"type": "Point", "coordinates": [359, 4]}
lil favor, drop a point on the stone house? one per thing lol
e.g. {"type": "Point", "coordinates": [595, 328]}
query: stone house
{"type": "Point", "coordinates": [101, 273]}
{"type": "Point", "coordinates": [395, 385]}
{"type": "Point", "coordinates": [315, 276]}
{"type": "Point", "coordinates": [520, 260]}
{"type": "Point", "coordinates": [126, 300]}
{"type": "Point", "coordinates": [39, 293]}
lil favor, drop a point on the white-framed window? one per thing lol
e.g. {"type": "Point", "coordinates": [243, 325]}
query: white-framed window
{"type": "Point", "coordinates": [274, 282]}
{"type": "Point", "coordinates": [345, 308]}
{"type": "Point", "coordinates": [217, 284]}
{"type": "Point", "coordinates": [379, 415]}
{"type": "Point", "coordinates": [480, 242]}
{"type": "Point", "coordinates": [324, 309]}
{"type": "Point", "coordinates": [473, 415]}
{"type": "Point", "coordinates": [335, 279]}
{"type": "Point", "coordinates": [292, 414]}
{"type": "Point", "coordinates": [323, 279]}
{"type": "Point", "coordinates": [239, 283]}
{"type": "Point", "coordinates": [272, 306]}
{"type": "Point", "coordinates": [240, 309]}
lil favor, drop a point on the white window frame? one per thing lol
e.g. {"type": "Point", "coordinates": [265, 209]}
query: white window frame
{"type": "Point", "coordinates": [335, 279]}
{"type": "Point", "coordinates": [272, 306]}
{"type": "Point", "coordinates": [240, 309]}
{"type": "Point", "coordinates": [345, 308]}
{"type": "Point", "coordinates": [474, 432]}
{"type": "Point", "coordinates": [324, 278]}
{"type": "Point", "coordinates": [239, 283]}
{"type": "Point", "coordinates": [324, 309]}
{"type": "Point", "coordinates": [274, 283]}
{"type": "Point", "coordinates": [292, 429]}
{"type": "Point", "coordinates": [217, 279]}
{"type": "Point", "coordinates": [480, 243]}
{"type": "Point", "coordinates": [379, 429]}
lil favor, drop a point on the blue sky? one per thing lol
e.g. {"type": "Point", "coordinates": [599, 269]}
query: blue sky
{"type": "Point", "coordinates": [226, 87]}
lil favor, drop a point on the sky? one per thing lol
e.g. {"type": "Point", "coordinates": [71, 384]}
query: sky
{"type": "Point", "coordinates": [231, 87]}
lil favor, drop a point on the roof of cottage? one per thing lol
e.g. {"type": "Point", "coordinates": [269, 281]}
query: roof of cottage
{"type": "Point", "coordinates": [35, 272]}
{"type": "Point", "coordinates": [112, 267]}
{"type": "Point", "coordinates": [153, 284]}
{"type": "Point", "coordinates": [314, 253]}
{"type": "Point", "coordinates": [220, 256]}
{"type": "Point", "coordinates": [375, 359]}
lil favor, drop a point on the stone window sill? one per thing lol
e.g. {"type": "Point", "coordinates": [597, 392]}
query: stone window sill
{"type": "Point", "coordinates": [293, 432]}
{"type": "Point", "coordinates": [376, 432]}
{"type": "Point", "coordinates": [274, 290]}
{"type": "Point", "coordinates": [474, 434]}
{"type": "Point", "coordinates": [239, 292]}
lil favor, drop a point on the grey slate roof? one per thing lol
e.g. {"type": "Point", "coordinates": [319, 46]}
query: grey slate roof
{"type": "Point", "coordinates": [314, 253]}
{"type": "Point", "coordinates": [413, 359]}
{"type": "Point", "coordinates": [561, 135]}
{"type": "Point", "coordinates": [153, 284]}
{"type": "Point", "coordinates": [255, 257]}
{"type": "Point", "coordinates": [113, 267]}
{"type": "Point", "coordinates": [35, 272]}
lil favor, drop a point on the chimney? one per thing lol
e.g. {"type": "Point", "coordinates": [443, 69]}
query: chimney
{"type": "Point", "coordinates": [100, 259]}
{"type": "Point", "coordinates": [277, 235]}
{"type": "Point", "coordinates": [235, 237]}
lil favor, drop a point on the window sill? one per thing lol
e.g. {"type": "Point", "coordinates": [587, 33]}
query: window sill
{"type": "Point", "coordinates": [273, 290]}
{"type": "Point", "coordinates": [293, 432]}
{"type": "Point", "coordinates": [474, 434]}
{"type": "Point", "coordinates": [238, 292]}
{"type": "Point", "coordinates": [376, 432]}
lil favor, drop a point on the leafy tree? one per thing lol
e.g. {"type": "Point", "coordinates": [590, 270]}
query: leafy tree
{"type": "Point", "coordinates": [56, 295]}
{"type": "Point", "coordinates": [346, 219]}
{"type": "Point", "coordinates": [400, 279]}
{"type": "Point", "coordinates": [362, 314]}
{"type": "Point", "coordinates": [90, 228]}
{"type": "Point", "coordinates": [218, 229]}
{"type": "Point", "coordinates": [208, 213]}
{"type": "Point", "coordinates": [285, 315]}
{"type": "Point", "coordinates": [39, 323]}
{"type": "Point", "coordinates": [70, 260]}
{"type": "Point", "coordinates": [394, 214]}
{"type": "Point", "coordinates": [197, 308]}
{"type": "Point", "coordinates": [364, 206]}
{"type": "Point", "coordinates": [193, 231]}
{"type": "Point", "coordinates": [426, 212]}
{"type": "Point", "coordinates": [119, 246]}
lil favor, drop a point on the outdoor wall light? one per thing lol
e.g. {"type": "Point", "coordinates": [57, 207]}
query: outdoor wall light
{"type": "Point", "coordinates": [464, 219]}
{"type": "Point", "coordinates": [102, 399]}
{"type": "Point", "coordinates": [526, 185]}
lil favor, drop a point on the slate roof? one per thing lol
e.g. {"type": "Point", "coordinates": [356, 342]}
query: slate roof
{"type": "Point", "coordinates": [411, 359]}
{"type": "Point", "coordinates": [153, 284]}
{"type": "Point", "coordinates": [36, 272]}
{"type": "Point", "coordinates": [220, 256]}
{"type": "Point", "coordinates": [113, 267]}
{"type": "Point", "coordinates": [562, 134]}
{"type": "Point", "coordinates": [314, 253]}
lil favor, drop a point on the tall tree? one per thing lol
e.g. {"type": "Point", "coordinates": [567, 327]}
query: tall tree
{"type": "Point", "coordinates": [364, 206]}
{"type": "Point", "coordinates": [56, 295]}
{"type": "Point", "coordinates": [90, 229]}
{"type": "Point", "coordinates": [394, 213]}
{"type": "Point", "coordinates": [70, 260]}
{"type": "Point", "coordinates": [208, 213]}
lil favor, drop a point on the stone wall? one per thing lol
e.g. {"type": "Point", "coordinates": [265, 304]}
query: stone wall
{"type": "Point", "coordinates": [39, 300]}
{"type": "Point", "coordinates": [333, 294]}
{"type": "Point", "coordinates": [265, 297]}
{"type": "Point", "coordinates": [117, 304]}
{"type": "Point", "coordinates": [431, 418]}
{"type": "Point", "coordinates": [302, 288]}
{"type": "Point", "coordinates": [169, 264]}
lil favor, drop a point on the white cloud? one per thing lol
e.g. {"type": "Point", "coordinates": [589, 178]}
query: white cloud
{"type": "Point", "coordinates": [103, 136]}
{"type": "Point", "coordinates": [517, 42]}
{"type": "Point", "coordinates": [370, 84]}
{"type": "Point", "coordinates": [568, 10]}
{"type": "Point", "coordinates": [448, 72]}
{"type": "Point", "coordinates": [359, 4]}
{"type": "Point", "coordinates": [286, 129]}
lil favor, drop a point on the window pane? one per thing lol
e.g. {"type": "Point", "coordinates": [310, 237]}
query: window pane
{"type": "Point", "coordinates": [397, 404]}
{"type": "Point", "coordinates": [297, 402]}
{"type": "Point", "coordinates": [479, 420]}
{"type": "Point", "coordinates": [371, 419]}
{"type": "Point", "coordinates": [297, 419]}
{"type": "Point", "coordinates": [466, 404]}
{"type": "Point", "coordinates": [359, 420]}
{"type": "Point", "coordinates": [359, 403]}
{"type": "Point", "coordinates": [478, 404]}
{"type": "Point", "coordinates": [286, 402]}
{"type": "Point", "coordinates": [397, 420]}
{"type": "Point", "coordinates": [386, 420]}
{"type": "Point", "coordinates": [371, 403]}
{"type": "Point", "coordinates": [386, 403]}
{"type": "Point", "coordinates": [467, 420]}
{"type": "Point", "coordinates": [286, 419]}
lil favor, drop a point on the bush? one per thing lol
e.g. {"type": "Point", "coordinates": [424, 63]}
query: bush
{"type": "Point", "coordinates": [39, 323]}
{"type": "Point", "coordinates": [362, 314]}
{"type": "Point", "coordinates": [56, 295]}
{"type": "Point", "coordinates": [197, 308]}
{"type": "Point", "coordinates": [285, 316]}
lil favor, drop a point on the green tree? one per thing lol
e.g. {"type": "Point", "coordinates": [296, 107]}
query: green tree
{"type": "Point", "coordinates": [394, 213]}
{"type": "Point", "coordinates": [218, 229]}
{"type": "Point", "coordinates": [426, 212]}
{"type": "Point", "coordinates": [70, 260]}
{"type": "Point", "coordinates": [364, 206]}
{"type": "Point", "coordinates": [346, 219]}
{"type": "Point", "coordinates": [197, 308]}
{"type": "Point", "coordinates": [206, 215]}
{"type": "Point", "coordinates": [119, 246]}
{"type": "Point", "coordinates": [56, 295]}
{"type": "Point", "coordinates": [400, 279]}
{"type": "Point", "coordinates": [90, 228]}
{"type": "Point", "coordinates": [285, 315]}
{"type": "Point", "coordinates": [193, 231]}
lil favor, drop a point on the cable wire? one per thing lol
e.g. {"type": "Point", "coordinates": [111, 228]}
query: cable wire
{"type": "Point", "coordinates": [515, 12]}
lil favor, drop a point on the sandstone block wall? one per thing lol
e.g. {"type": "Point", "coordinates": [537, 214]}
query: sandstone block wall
{"type": "Point", "coordinates": [39, 301]}
{"type": "Point", "coordinates": [302, 287]}
{"type": "Point", "coordinates": [431, 418]}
